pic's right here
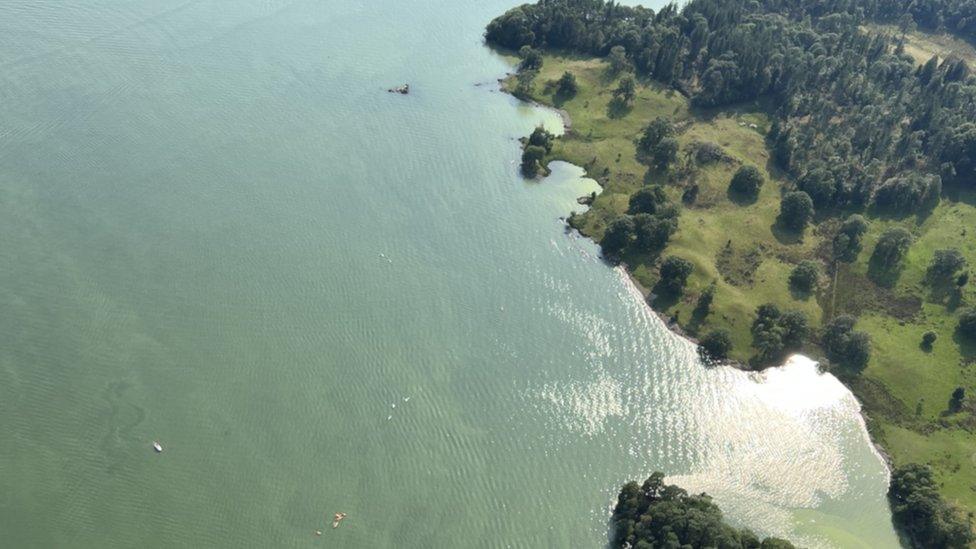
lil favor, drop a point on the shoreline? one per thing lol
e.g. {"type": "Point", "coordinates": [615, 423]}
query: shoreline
{"type": "Point", "coordinates": [676, 329]}
{"type": "Point", "coordinates": [862, 418]}
{"type": "Point", "coordinates": [563, 113]}
{"type": "Point", "coordinates": [880, 452]}
{"type": "Point", "coordinates": [717, 262]}
{"type": "Point", "coordinates": [883, 455]}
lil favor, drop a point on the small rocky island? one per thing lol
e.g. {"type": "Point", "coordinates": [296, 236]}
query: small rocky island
{"type": "Point", "coordinates": [402, 90]}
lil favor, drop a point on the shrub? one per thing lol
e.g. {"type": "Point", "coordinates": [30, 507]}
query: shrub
{"type": "Point", "coordinates": [655, 132]}
{"type": "Point", "coordinates": [707, 152]}
{"type": "Point", "coordinates": [674, 273]}
{"type": "Point", "coordinates": [657, 144]}
{"type": "Point", "coordinates": [617, 59]}
{"type": "Point", "coordinates": [541, 137]}
{"type": "Point", "coordinates": [793, 326]}
{"type": "Point", "coordinates": [523, 87]}
{"type": "Point", "coordinates": [746, 181]}
{"type": "Point", "coordinates": [858, 351]}
{"type": "Point", "coordinates": [944, 266]}
{"type": "Point", "coordinates": [774, 331]}
{"type": "Point", "coordinates": [891, 247]}
{"type": "Point", "coordinates": [531, 59]}
{"type": "Point", "coordinates": [847, 241]}
{"type": "Point", "coordinates": [668, 211]}
{"type": "Point", "coordinates": [567, 86]}
{"type": "Point", "coordinates": [920, 511]}
{"type": "Point", "coordinates": [819, 184]}
{"type": "Point", "coordinates": [618, 235]}
{"type": "Point", "coordinates": [651, 232]}
{"type": "Point", "coordinates": [928, 338]}
{"type": "Point", "coordinates": [532, 158]}
{"type": "Point", "coordinates": [855, 225]}
{"type": "Point", "coordinates": [646, 200]}
{"type": "Point", "coordinates": [796, 210]}
{"type": "Point", "coordinates": [664, 153]}
{"type": "Point", "coordinates": [717, 344]}
{"type": "Point", "coordinates": [845, 345]}
{"type": "Point", "coordinates": [908, 193]}
{"type": "Point", "coordinates": [626, 91]}
{"type": "Point", "coordinates": [704, 304]}
{"type": "Point", "coordinates": [804, 276]}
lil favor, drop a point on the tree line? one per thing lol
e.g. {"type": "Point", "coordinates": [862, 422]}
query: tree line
{"type": "Point", "coordinates": [856, 121]}
{"type": "Point", "coordinates": [655, 514]}
{"type": "Point", "coordinates": [957, 17]}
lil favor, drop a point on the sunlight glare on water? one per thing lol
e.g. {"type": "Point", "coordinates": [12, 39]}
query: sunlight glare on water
{"type": "Point", "coordinates": [219, 231]}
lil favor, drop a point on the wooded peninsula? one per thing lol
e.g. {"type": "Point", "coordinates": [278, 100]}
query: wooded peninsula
{"type": "Point", "coordinates": [788, 176]}
{"type": "Point", "coordinates": [655, 514]}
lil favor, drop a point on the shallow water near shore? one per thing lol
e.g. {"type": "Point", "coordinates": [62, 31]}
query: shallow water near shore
{"type": "Point", "coordinates": [219, 231]}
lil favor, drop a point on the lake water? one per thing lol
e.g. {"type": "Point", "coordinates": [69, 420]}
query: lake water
{"type": "Point", "coordinates": [219, 231]}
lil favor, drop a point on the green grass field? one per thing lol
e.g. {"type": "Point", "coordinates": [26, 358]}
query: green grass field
{"type": "Point", "coordinates": [905, 389]}
{"type": "Point", "coordinates": [923, 45]}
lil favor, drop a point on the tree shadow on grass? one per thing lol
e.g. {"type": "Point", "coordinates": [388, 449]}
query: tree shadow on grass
{"type": "Point", "coordinates": [967, 345]}
{"type": "Point", "coordinates": [609, 76]}
{"type": "Point", "coordinates": [653, 175]}
{"type": "Point", "coordinates": [776, 170]}
{"type": "Point", "coordinates": [741, 199]}
{"type": "Point", "coordinates": [800, 294]}
{"type": "Point", "coordinates": [784, 234]}
{"type": "Point", "coordinates": [959, 192]}
{"type": "Point", "coordinates": [560, 98]}
{"type": "Point", "coordinates": [662, 298]}
{"type": "Point", "coordinates": [698, 316]}
{"type": "Point", "coordinates": [892, 214]}
{"type": "Point", "coordinates": [952, 407]}
{"type": "Point", "coordinates": [947, 294]}
{"type": "Point", "coordinates": [885, 276]}
{"type": "Point", "coordinates": [618, 108]}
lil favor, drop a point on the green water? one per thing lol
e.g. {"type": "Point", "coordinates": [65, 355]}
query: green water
{"type": "Point", "coordinates": [217, 230]}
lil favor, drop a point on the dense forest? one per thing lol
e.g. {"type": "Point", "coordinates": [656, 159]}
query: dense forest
{"type": "Point", "coordinates": [953, 16]}
{"type": "Point", "coordinates": [857, 123]}
{"type": "Point", "coordinates": [655, 514]}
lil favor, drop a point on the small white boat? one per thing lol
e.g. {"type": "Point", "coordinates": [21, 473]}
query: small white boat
{"type": "Point", "coordinates": [157, 446]}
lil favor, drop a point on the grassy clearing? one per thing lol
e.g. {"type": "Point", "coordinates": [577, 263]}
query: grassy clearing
{"type": "Point", "coordinates": [920, 381]}
{"type": "Point", "coordinates": [755, 268]}
{"type": "Point", "coordinates": [923, 45]}
{"type": "Point", "coordinates": [738, 246]}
